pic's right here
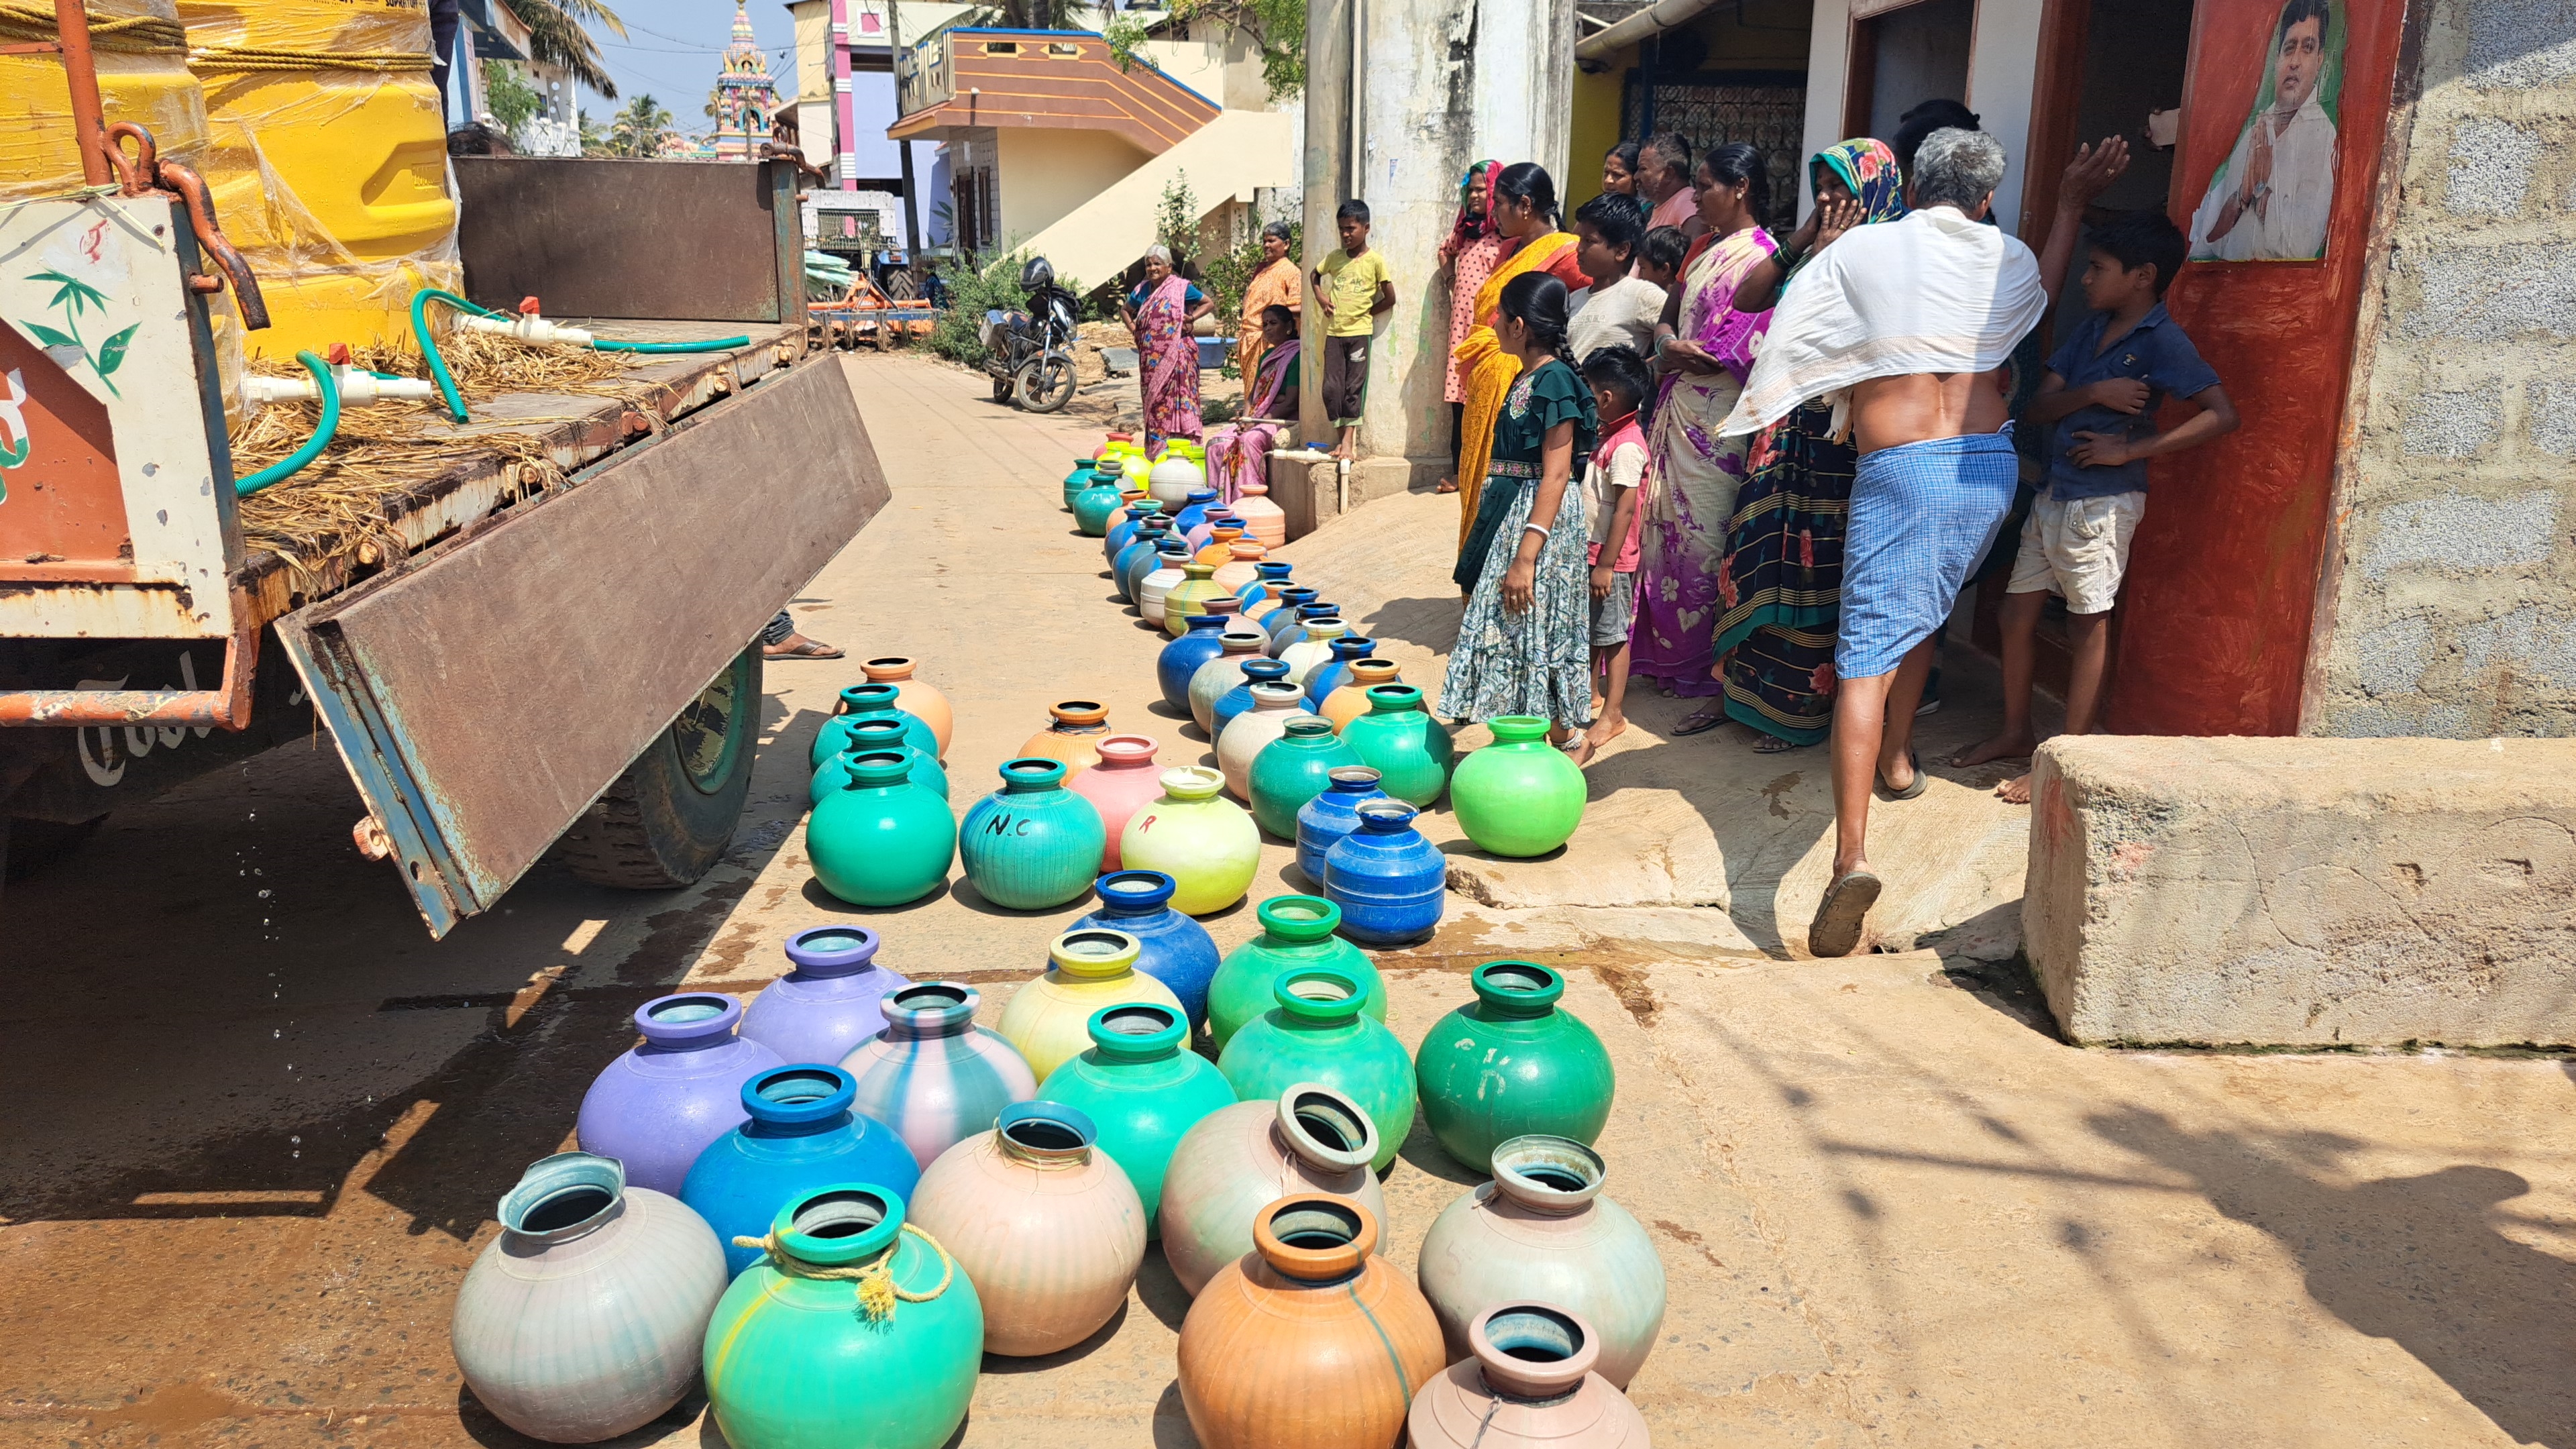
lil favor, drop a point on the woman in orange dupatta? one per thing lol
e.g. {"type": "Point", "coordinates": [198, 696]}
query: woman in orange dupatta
{"type": "Point", "coordinates": [1524, 211]}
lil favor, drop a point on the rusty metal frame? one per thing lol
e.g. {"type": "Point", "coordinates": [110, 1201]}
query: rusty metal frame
{"type": "Point", "coordinates": [225, 707]}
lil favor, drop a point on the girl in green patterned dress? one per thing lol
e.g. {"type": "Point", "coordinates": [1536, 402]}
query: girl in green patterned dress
{"type": "Point", "coordinates": [1525, 646]}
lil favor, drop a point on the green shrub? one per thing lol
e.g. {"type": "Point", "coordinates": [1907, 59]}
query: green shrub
{"type": "Point", "coordinates": [973, 291]}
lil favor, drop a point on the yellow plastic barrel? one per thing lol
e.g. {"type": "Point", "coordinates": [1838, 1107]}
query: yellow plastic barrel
{"type": "Point", "coordinates": [327, 154]}
{"type": "Point", "coordinates": [143, 77]}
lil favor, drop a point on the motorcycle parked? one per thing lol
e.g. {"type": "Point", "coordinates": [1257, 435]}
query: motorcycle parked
{"type": "Point", "coordinates": [1031, 352]}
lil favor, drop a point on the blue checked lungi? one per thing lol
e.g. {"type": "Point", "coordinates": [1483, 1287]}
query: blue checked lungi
{"type": "Point", "coordinates": [1921, 516]}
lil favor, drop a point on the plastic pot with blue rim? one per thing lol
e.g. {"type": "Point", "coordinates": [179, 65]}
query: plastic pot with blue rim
{"type": "Point", "coordinates": [1335, 671]}
{"type": "Point", "coordinates": [1330, 816]}
{"type": "Point", "coordinates": [1238, 700]}
{"type": "Point", "coordinates": [1201, 641]}
{"type": "Point", "coordinates": [1390, 882]}
{"type": "Point", "coordinates": [801, 1135]}
{"type": "Point", "coordinates": [1177, 951]}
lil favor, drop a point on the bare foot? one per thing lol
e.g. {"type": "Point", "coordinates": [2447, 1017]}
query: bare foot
{"type": "Point", "coordinates": [1999, 747]}
{"type": "Point", "coordinates": [1447, 485]}
{"type": "Point", "coordinates": [2015, 791]}
{"type": "Point", "coordinates": [1604, 729]}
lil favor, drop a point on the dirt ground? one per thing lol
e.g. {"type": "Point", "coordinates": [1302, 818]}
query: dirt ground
{"type": "Point", "coordinates": [258, 1120]}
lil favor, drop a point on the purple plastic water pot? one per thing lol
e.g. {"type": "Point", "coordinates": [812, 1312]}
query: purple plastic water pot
{"type": "Point", "coordinates": [657, 1107]}
{"type": "Point", "coordinates": [823, 1009]}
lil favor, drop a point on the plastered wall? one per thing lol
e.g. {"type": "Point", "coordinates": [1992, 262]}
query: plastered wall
{"type": "Point", "coordinates": [2448, 605]}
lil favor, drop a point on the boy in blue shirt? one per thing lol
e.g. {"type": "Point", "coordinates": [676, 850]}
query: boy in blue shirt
{"type": "Point", "coordinates": [2100, 397]}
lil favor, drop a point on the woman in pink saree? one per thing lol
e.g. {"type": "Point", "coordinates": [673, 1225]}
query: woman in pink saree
{"type": "Point", "coordinates": [1238, 455]}
{"type": "Point", "coordinates": [1161, 312]}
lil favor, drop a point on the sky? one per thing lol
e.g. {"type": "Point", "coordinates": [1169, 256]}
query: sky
{"type": "Point", "coordinates": [672, 48]}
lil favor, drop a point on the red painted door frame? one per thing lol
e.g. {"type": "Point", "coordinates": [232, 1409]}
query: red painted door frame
{"type": "Point", "coordinates": [2216, 614]}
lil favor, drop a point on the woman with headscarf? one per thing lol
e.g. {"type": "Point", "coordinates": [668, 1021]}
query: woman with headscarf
{"type": "Point", "coordinates": [1274, 284]}
{"type": "Point", "coordinates": [1781, 584]}
{"type": "Point", "coordinates": [1467, 257]}
{"type": "Point", "coordinates": [1238, 454]}
{"type": "Point", "coordinates": [1161, 311]}
{"type": "Point", "coordinates": [1706, 347]}
{"type": "Point", "coordinates": [1524, 211]}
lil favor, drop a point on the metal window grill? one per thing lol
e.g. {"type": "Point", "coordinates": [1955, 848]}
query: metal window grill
{"type": "Point", "coordinates": [1763, 108]}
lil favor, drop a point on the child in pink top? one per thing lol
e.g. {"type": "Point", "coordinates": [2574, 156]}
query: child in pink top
{"type": "Point", "coordinates": [1613, 481]}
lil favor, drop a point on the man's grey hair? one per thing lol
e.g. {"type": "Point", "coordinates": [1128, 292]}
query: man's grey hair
{"type": "Point", "coordinates": [1278, 229]}
{"type": "Point", "coordinates": [1957, 168]}
{"type": "Point", "coordinates": [1159, 253]}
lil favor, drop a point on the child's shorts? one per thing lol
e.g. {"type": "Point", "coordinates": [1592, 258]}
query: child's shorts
{"type": "Point", "coordinates": [1615, 616]}
{"type": "Point", "coordinates": [2077, 549]}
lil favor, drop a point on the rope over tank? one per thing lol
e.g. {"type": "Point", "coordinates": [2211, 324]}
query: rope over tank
{"type": "Point", "coordinates": [255, 57]}
{"type": "Point", "coordinates": [135, 34]}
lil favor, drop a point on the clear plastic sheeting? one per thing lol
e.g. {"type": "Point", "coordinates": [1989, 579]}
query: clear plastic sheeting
{"type": "Point", "coordinates": [143, 77]}
{"type": "Point", "coordinates": [327, 156]}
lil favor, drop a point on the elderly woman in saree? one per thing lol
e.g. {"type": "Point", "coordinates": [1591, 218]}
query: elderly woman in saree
{"type": "Point", "coordinates": [1161, 311]}
{"type": "Point", "coordinates": [1274, 284]}
{"type": "Point", "coordinates": [1706, 347]}
{"type": "Point", "coordinates": [1524, 212]}
{"type": "Point", "coordinates": [1238, 454]}
{"type": "Point", "coordinates": [1781, 581]}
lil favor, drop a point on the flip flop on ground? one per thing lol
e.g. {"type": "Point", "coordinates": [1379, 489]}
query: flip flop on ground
{"type": "Point", "coordinates": [1699, 722]}
{"type": "Point", "coordinates": [1912, 789]}
{"type": "Point", "coordinates": [1836, 931]}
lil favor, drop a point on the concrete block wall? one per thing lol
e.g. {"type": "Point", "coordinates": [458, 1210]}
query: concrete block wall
{"type": "Point", "coordinates": [2450, 607]}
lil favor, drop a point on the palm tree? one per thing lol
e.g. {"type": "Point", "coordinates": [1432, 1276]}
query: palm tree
{"type": "Point", "coordinates": [640, 128]}
{"type": "Point", "coordinates": [556, 38]}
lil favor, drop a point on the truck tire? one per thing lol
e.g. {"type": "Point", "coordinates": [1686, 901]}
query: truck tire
{"type": "Point", "coordinates": [669, 818]}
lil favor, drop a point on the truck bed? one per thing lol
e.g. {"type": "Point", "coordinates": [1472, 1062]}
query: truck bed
{"type": "Point", "coordinates": [474, 471]}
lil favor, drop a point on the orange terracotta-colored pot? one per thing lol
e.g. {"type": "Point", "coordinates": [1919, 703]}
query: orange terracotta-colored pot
{"type": "Point", "coordinates": [920, 699]}
{"type": "Point", "coordinates": [1043, 1223]}
{"type": "Point", "coordinates": [1126, 780]}
{"type": "Point", "coordinates": [1218, 551]}
{"type": "Point", "coordinates": [1074, 736]}
{"type": "Point", "coordinates": [1264, 522]}
{"type": "Point", "coordinates": [1240, 569]}
{"type": "Point", "coordinates": [1310, 1341]}
{"type": "Point", "coordinates": [1529, 1385]}
{"type": "Point", "coordinates": [1351, 700]}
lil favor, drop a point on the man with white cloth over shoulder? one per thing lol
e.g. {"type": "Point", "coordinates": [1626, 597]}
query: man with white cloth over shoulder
{"type": "Point", "coordinates": [1905, 326]}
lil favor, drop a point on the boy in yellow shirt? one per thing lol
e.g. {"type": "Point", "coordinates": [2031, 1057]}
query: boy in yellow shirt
{"type": "Point", "coordinates": [1352, 287]}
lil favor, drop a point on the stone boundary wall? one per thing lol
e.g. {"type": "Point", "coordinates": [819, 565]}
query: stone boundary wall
{"type": "Point", "coordinates": [2448, 602]}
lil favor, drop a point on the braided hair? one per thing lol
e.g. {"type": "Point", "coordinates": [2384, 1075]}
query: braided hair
{"type": "Point", "coordinates": [1537, 300]}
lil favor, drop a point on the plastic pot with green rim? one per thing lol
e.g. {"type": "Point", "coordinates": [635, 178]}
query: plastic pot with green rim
{"type": "Point", "coordinates": [1520, 795]}
{"type": "Point", "coordinates": [881, 839]}
{"type": "Point", "coordinates": [1511, 1063]}
{"type": "Point", "coordinates": [1032, 844]}
{"type": "Point", "coordinates": [1293, 769]}
{"type": "Point", "coordinates": [1401, 741]}
{"type": "Point", "coordinates": [1142, 1088]}
{"type": "Point", "coordinates": [851, 1329]}
{"type": "Point", "coordinates": [1297, 932]}
{"type": "Point", "coordinates": [1316, 1031]}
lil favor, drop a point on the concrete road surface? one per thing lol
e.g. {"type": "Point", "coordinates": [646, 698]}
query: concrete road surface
{"type": "Point", "coordinates": [256, 1121]}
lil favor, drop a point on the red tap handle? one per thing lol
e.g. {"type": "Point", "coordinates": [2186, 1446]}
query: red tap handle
{"type": "Point", "coordinates": [527, 306]}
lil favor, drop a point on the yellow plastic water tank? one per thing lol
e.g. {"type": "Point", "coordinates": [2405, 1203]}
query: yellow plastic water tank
{"type": "Point", "coordinates": [327, 154]}
{"type": "Point", "coordinates": [143, 77]}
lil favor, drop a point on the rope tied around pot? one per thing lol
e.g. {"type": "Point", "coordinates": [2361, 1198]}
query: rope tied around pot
{"type": "Point", "coordinates": [877, 1290]}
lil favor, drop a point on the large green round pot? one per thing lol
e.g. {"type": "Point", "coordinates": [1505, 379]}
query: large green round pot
{"type": "Point", "coordinates": [1093, 505]}
{"type": "Point", "coordinates": [1296, 932]}
{"type": "Point", "coordinates": [1519, 795]}
{"type": "Point", "coordinates": [1142, 1087]}
{"type": "Point", "coordinates": [1316, 1032]}
{"type": "Point", "coordinates": [1293, 769]}
{"type": "Point", "coordinates": [797, 1361]}
{"type": "Point", "coordinates": [1510, 1063]}
{"type": "Point", "coordinates": [1400, 740]}
{"type": "Point", "coordinates": [1032, 844]}
{"type": "Point", "coordinates": [882, 839]}
{"type": "Point", "coordinates": [1082, 476]}
{"type": "Point", "coordinates": [870, 701]}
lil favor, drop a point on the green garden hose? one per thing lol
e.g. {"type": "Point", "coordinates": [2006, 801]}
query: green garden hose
{"type": "Point", "coordinates": [313, 446]}
{"type": "Point", "coordinates": [421, 299]}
